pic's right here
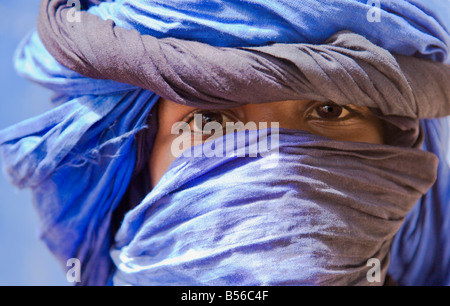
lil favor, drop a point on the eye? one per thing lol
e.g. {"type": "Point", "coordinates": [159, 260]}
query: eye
{"type": "Point", "coordinates": [329, 111]}
{"type": "Point", "coordinates": [198, 119]}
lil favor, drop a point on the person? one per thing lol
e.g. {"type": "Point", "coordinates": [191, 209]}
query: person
{"type": "Point", "coordinates": [349, 158]}
{"type": "Point", "coordinates": [348, 123]}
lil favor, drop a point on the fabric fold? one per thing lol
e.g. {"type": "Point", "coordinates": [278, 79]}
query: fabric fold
{"type": "Point", "coordinates": [299, 223]}
{"type": "Point", "coordinates": [79, 158]}
{"type": "Point", "coordinates": [76, 159]}
{"type": "Point", "coordinates": [346, 69]}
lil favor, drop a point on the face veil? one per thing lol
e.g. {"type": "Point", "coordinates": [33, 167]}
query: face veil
{"type": "Point", "coordinates": [309, 211]}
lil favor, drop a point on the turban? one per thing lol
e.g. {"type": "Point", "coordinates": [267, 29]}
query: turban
{"type": "Point", "coordinates": [109, 66]}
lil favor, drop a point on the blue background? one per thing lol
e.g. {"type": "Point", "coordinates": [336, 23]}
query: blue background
{"type": "Point", "coordinates": [24, 260]}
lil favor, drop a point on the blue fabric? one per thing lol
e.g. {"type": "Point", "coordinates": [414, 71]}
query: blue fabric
{"type": "Point", "coordinates": [79, 157]}
{"type": "Point", "coordinates": [286, 216]}
{"type": "Point", "coordinates": [406, 27]}
{"type": "Point", "coordinates": [421, 250]}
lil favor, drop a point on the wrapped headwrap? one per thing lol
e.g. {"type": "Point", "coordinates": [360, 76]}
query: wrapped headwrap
{"type": "Point", "coordinates": [314, 218]}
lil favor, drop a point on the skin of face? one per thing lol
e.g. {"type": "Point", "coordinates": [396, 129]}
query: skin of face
{"type": "Point", "coordinates": [355, 124]}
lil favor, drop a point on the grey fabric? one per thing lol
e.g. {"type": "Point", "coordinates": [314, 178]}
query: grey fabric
{"type": "Point", "coordinates": [346, 69]}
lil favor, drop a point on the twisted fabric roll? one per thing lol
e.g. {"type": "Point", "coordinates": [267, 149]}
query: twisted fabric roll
{"type": "Point", "coordinates": [346, 69]}
{"type": "Point", "coordinates": [313, 219]}
{"type": "Point", "coordinates": [80, 158]}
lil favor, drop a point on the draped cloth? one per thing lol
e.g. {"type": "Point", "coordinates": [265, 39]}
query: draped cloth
{"type": "Point", "coordinates": [107, 77]}
{"type": "Point", "coordinates": [289, 216]}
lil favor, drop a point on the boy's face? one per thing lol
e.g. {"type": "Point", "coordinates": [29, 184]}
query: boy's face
{"type": "Point", "coordinates": [350, 123]}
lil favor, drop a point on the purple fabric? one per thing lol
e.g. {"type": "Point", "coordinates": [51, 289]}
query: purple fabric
{"type": "Point", "coordinates": [306, 211]}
